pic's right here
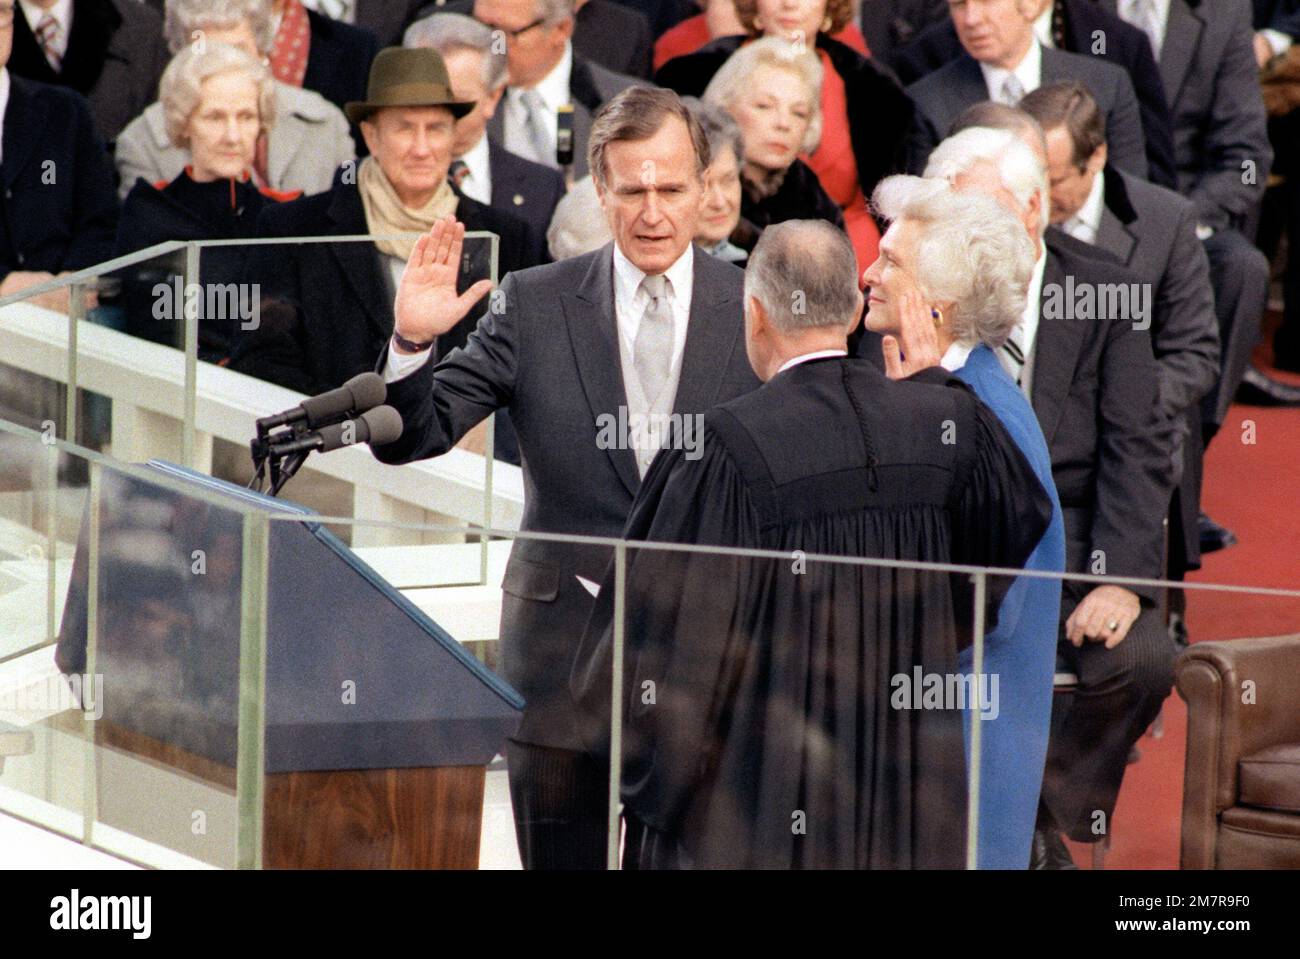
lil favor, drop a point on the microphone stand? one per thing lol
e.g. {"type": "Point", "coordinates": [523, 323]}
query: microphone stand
{"type": "Point", "coordinates": [281, 473]}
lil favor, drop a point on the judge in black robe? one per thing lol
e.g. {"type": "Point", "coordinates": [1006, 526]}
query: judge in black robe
{"type": "Point", "coordinates": [761, 727]}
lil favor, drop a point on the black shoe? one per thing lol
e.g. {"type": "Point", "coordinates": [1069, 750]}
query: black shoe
{"type": "Point", "coordinates": [1213, 536]}
{"type": "Point", "coordinates": [1048, 851]}
{"type": "Point", "coordinates": [1178, 631]}
{"type": "Point", "coordinates": [1256, 389]}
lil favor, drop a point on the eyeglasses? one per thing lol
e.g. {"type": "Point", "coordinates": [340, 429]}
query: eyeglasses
{"type": "Point", "coordinates": [513, 34]}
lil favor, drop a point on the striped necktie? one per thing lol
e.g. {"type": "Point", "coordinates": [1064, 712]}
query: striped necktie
{"type": "Point", "coordinates": [47, 35]}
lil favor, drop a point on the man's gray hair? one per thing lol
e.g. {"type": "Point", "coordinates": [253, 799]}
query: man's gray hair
{"type": "Point", "coordinates": [181, 88]}
{"type": "Point", "coordinates": [999, 116]}
{"type": "Point", "coordinates": [638, 113]}
{"type": "Point", "coordinates": [184, 18]}
{"type": "Point", "coordinates": [578, 224]}
{"type": "Point", "coordinates": [970, 251]}
{"type": "Point", "coordinates": [805, 274]}
{"type": "Point", "coordinates": [448, 32]}
{"type": "Point", "coordinates": [735, 77]}
{"type": "Point", "coordinates": [1021, 171]}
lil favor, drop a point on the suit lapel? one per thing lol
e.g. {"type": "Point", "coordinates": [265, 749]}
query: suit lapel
{"type": "Point", "coordinates": [1114, 236]}
{"type": "Point", "coordinates": [593, 336]}
{"type": "Point", "coordinates": [1056, 353]}
{"type": "Point", "coordinates": [971, 87]}
{"type": "Point", "coordinates": [1182, 38]}
{"type": "Point", "coordinates": [18, 126]}
{"type": "Point", "coordinates": [359, 263]}
{"type": "Point", "coordinates": [711, 337]}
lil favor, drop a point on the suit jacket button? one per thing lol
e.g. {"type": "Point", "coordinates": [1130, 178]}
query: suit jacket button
{"type": "Point", "coordinates": [21, 259]}
{"type": "Point", "coordinates": [519, 200]}
{"type": "Point", "coordinates": [9, 194]}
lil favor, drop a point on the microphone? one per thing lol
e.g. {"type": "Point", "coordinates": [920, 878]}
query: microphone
{"type": "Point", "coordinates": [564, 135]}
{"type": "Point", "coordinates": [363, 392]}
{"type": "Point", "coordinates": [377, 426]}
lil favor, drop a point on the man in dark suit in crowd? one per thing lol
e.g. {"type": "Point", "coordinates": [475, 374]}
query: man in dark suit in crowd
{"type": "Point", "coordinates": [640, 329]}
{"type": "Point", "coordinates": [613, 35]}
{"type": "Point", "coordinates": [1002, 60]}
{"type": "Point", "coordinates": [1206, 53]}
{"type": "Point", "coordinates": [480, 168]}
{"type": "Point", "coordinates": [1092, 380]}
{"type": "Point", "coordinates": [889, 26]}
{"type": "Point", "coordinates": [58, 208]}
{"type": "Point", "coordinates": [327, 307]}
{"type": "Point", "coordinates": [110, 51]}
{"type": "Point", "coordinates": [339, 58]}
{"type": "Point", "coordinates": [1075, 27]}
{"type": "Point", "coordinates": [547, 76]}
{"type": "Point", "coordinates": [1152, 231]}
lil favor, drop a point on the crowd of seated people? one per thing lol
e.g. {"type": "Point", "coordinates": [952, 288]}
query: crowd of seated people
{"type": "Point", "coordinates": [1144, 161]}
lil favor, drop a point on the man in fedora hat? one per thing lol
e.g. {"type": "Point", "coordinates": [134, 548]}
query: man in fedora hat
{"type": "Point", "coordinates": [340, 295]}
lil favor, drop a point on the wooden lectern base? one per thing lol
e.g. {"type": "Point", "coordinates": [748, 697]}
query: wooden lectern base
{"type": "Point", "coordinates": [426, 818]}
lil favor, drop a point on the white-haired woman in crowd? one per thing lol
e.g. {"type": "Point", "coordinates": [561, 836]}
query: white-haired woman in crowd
{"type": "Point", "coordinates": [772, 89]}
{"type": "Point", "coordinates": [950, 284]}
{"type": "Point", "coordinates": [310, 140]}
{"type": "Point", "coordinates": [720, 206]}
{"type": "Point", "coordinates": [216, 102]}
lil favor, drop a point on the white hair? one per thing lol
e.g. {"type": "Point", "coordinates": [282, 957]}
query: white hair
{"type": "Point", "coordinates": [184, 18]}
{"type": "Point", "coordinates": [971, 251]}
{"type": "Point", "coordinates": [181, 87]}
{"type": "Point", "coordinates": [448, 32]}
{"type": "Point", "coordinates": [1020, 170]}
{"type": "Point", "coordinates": [578, 225]}
{"type": "Point", "coordinates": [734, 78]}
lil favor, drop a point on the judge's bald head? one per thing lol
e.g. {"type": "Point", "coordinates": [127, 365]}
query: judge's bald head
{"type": "Point", "coordinates": [801, 293]}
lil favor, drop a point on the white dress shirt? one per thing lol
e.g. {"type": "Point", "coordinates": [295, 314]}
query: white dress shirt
{"type": "Point", "coordinates": [554, 91]}
{"type": "Point", "coordinates": [477, 184]}
{"type": "Point", "coordinates": [4, 107]}
{"type": "Point", "coordinates": [1028, 330]}
{"type": "Point", "coordinates": [62, 14]}
{"type": "Point", "coordinates": [1043, 26]}
{"type": "Point", "coordinates": [1130, 12]}
{"type": "Point", "coordinates": [630, 302]}
{"type": "Point", "coordinates": [1029, 72]}
{"type": "Point", "coordinates": [955, 357]}
{"type": "Point", "coordinates": [1085, 224]}
{"type": "Point", "coordinates": [805, 357]}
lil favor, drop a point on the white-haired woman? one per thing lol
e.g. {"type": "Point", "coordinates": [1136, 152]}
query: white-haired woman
{"type": "Point", "coordinates": [217, 101]}
{"type": "Point", "coordinates": [772, 89]}
{"type": "Point", "coordinates": [950, 284]}
{"type": "Point", "coordinates": [310, 141]}
{"type": "Point", "coordinates": [720, 206]}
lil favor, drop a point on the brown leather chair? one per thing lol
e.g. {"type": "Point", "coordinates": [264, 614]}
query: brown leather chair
{"type": "Point", "coordinates": [1241, 788]}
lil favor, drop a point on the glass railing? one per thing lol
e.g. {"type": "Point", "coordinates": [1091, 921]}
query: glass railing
{"type": "Point", "coordinates": [192, 674]}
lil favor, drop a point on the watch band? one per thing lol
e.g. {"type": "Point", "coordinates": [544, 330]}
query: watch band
{"type": "Point", "coordinates": [410, 345]}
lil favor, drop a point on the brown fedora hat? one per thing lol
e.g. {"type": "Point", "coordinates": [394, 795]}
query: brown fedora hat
{"type": "Point", "coordinates": [407, 78]}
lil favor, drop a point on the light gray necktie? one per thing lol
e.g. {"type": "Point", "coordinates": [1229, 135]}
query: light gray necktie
{"type": "Point", "coordinates": [1012, 91]}
{"type": "Point", "coordinates": [539, 136]}
{"type": "Point", "coordinates": [1143, 15]}
{"type": "Point", "coordinates": [652, 349]}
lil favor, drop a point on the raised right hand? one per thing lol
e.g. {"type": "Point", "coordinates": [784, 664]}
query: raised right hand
{"type": "Point", "coordinates": [427, 304]}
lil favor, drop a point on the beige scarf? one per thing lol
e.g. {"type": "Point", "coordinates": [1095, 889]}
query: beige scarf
{"type": "Point", "coordinates": [386, 215]}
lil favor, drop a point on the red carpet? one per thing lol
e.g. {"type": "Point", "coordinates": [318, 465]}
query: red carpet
{"type": "Point", "coordinates": [1254, 490]}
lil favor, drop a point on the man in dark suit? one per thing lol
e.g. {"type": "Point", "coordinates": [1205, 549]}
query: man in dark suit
{"type": "Point", "coordinates": [330, 304]}
{"type": "Point", "coordinates": [547, 77]}
{"type": "Point", "coordinates": [339, 59]}
{"type": "Point", "coordinates": [112, 53]}
{"type": "Point", "coordinates": [1073, 26]}
{"type": "Point", "coordinates": [641, 329]}
{"type": "Point", "coordinates": [1206, 53]}
{"type": "Point", "coordinates": [1092, 380]}
{"type": "Point", "coordinates": [613, 35]}
{"type": "Point", "coordinates": [58, 208]}
{"type": "Point", "coordinates": [482, 169]}
{"type": "Point", "coordinates": [1002, 60]}
{"type": "Point", "coordinates": [1152, 231]}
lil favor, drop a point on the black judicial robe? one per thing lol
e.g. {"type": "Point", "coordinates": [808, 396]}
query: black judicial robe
{"type": "Point", "coordinates": [759, 730]}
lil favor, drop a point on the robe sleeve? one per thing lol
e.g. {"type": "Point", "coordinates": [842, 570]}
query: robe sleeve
{"type": "Point", "coordinates": [1001, 510]}
{"type": "Point", "coordinates": [685, 614]}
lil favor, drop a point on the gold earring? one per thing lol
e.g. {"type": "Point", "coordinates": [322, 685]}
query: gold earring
{"type": "Point", "coordinates": [937, 315]}
{"type": "Point", "coordinates": [827, 23]}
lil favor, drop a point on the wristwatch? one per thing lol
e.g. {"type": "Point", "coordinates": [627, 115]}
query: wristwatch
{"type": "Point", "coordinates": [410, 345]}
